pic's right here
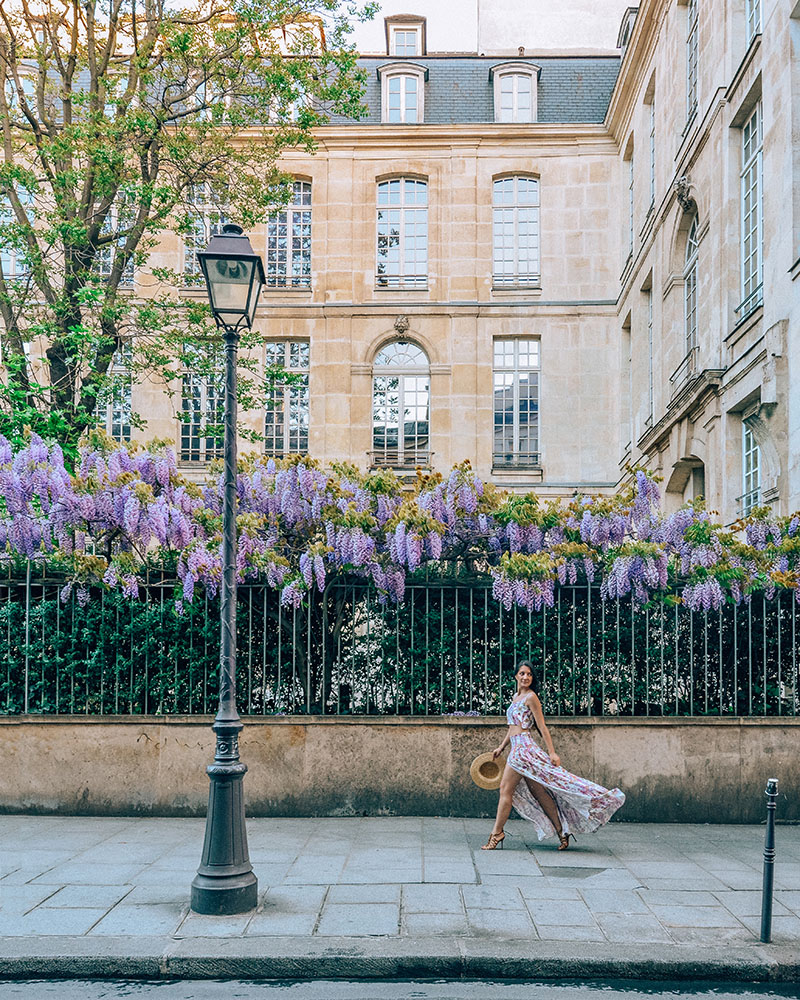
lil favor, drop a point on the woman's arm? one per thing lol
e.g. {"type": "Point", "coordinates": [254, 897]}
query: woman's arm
{"type": "Point", "coordinates": [498, 750]}
{"type": "Point", "coordinates": [536, 707]}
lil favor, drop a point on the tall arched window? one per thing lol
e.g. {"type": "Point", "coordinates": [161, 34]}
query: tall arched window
{"type": "Point", "coordinates": [402, 258]}
{"type": "Point", "coordinates": [690, 289]}
{"type": "Point", "coordinates": [400, 405]}
{"type": "Point", "coordinates": [516, 231]}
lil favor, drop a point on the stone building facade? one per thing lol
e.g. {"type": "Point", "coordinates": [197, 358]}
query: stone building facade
{"type": "Point", "coordinates": [552, 266]}
{"type": "Point", "coordinates": [705, 118]}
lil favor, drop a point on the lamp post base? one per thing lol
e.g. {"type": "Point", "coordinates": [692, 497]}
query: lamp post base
{"type": "Point", "coordinates": [225, 882]}
{"type": "Point", "coordinates": [221, 896]}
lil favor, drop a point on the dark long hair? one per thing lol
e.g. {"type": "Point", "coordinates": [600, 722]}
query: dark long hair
{"type": "Point", "coordinates": [534, 675]}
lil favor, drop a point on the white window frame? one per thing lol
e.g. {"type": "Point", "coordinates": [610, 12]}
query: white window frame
{"type": "Point", "coordinates": [15, 268]}
{"type": "Point", "coordinates": [752, 13]}
{"type": "Point", "coordinates": [752, 212]}
{"type": "Point", "coordinates": [119, 405]}
{"type": "Point", "coordinates": [690, 288]}
{"type": "Point", "coordinates": [286, 413]}
{"type": "Point", "coordinates": [207, 217]}
{"type": "Point", "coordinates": [406, 364]}
{"type": "Point", "coordinates": [402, 223]}
{"type": "Point", "coordinates": [509, 378]}
{"type": "Point", "coordinates": [751, 470]}
{"type": "Point", "coordinates": [516, 232]}
{"type": "Point", "coordinates": [511, 73]}
{"type": "Point", "coordinates": [692, 58]}
{"type": "Point", "coordinates": [399, 73]}
{"type": "Point", "coordinates": [405, 29]}
{"type": "Point", "coordinates": [289, 241]}
{"type": "Point", "coordinates": [196, 446]}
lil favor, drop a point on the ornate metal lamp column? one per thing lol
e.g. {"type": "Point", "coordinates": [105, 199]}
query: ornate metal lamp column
{"type": "Point", "coordinates": [225, 882]}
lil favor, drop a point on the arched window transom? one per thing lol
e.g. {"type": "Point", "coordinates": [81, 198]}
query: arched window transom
{"type": "Point", "coordinates": [401, 406]}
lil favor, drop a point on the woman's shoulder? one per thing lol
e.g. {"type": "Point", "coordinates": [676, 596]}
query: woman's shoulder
{"type": "Point", "coordinates": [532, 700]}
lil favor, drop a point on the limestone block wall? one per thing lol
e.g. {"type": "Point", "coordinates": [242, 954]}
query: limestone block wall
{"type": "Point", "coordinates": [671, 770]}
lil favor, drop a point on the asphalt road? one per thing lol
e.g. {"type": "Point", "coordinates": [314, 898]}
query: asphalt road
{"type": "Point", "coordinates": [390, 990]}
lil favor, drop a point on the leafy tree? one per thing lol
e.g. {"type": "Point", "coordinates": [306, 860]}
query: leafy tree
{"type": "Point", "coordinates": [122, 120]}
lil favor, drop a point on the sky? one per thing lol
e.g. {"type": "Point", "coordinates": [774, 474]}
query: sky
{"type": "Point", "coordinates": [499, 27]}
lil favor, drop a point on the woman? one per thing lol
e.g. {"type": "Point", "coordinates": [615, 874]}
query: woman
{"type": "Point", "coordinates": [554, 800]}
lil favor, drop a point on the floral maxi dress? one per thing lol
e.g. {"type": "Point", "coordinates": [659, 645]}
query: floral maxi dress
{"type": "Point", "coordinates": [582, 805]}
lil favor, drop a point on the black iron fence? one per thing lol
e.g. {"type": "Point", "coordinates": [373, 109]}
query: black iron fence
{"type": "Point", "coordinates": [450, 648]}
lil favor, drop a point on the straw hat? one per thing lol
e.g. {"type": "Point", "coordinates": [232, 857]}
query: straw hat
{"type": "Point", "coordinates": [487, 771]}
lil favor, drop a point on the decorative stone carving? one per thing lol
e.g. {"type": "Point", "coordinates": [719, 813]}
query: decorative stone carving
{"type": "Point", "coordinates": [401, 324]}
{"type": "Point", "coordinates": [683, 192]}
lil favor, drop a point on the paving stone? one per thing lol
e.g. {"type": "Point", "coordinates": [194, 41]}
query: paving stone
{"type": "Point", "coordinates": [142, 919]}
{"type": "Point", "coordinates": [276, 923]}
{"type": "Point", "coordinates": [747, 903]}
{"type": "Point", "coordinates": [738, 879]}
{"type": "Point", "coordinates": [87, 895]}
{"type": "Point", "coordinates": [72, 922]}
{"type": "Point", "coordinates": [359, 919]}
{"type": "Point", "coordinates": [294, 899]}
{"type": "Point", "coordinates": [790, 898]}
{"type": "Point", "coordinates": [610, 901]}
{"type": "Point", "coordinates": [18, 899]}
{"type": "Point", "coordinates": [694, 916]}
{"type": "Point", "coordinates": [89, 874]}
{"type": "Point", "coordinates": [713, 937]}
{"type": "Point", "coordinates": [430, 924]}
{"type": "Point", "coordinates": [672, 897]}
{"type": "Point", "coordinates": [565, 912]}
{"type": "Point", "coordinates": [639, 928]}
{"type": "Point", "coordinates": [784, 928]}
{"type": "Point", "coordinates": [549, 888]}
{"type": "Point", "coordinates": [203, 925]}
{"type": "Point", "coordinates": [492, 897]}
{"type": "Point", "coordinates": [159, 894]}
{"type": "Point", "coordinates": [432, 899]}
{"type": "Point", "coordinates": [364, 894]}
{"type": "Point", "coordinates": [552, 932]}
{"type": "Point", "coordinates": [502, 923]}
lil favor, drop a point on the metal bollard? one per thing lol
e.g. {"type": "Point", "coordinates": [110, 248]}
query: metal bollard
{"type": "Point", "coordinates": [769, 861]}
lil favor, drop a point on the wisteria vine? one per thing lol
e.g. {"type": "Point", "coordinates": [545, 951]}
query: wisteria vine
{"type": "Point", "coordinates": [128, 510]}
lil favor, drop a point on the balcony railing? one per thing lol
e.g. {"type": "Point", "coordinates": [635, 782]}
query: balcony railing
{"type": "Point", "coordinates": [516, 460]}
{"type": "Point", "coordinates": [751, 303]}
{"type": "Point", "coordinates": [389, 458]}
{"type": "Point", "coordinates": [747, 502]}
{"type": "Point", "coordinates": [685, 370]}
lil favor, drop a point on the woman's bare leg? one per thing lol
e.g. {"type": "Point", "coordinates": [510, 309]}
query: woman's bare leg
{"type": "Point", "coordinates": [547, 802]}
{"type": "Point", "coordinates": [507, 785]}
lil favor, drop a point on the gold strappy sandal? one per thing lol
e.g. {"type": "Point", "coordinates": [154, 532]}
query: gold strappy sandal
{"type": "Point", "coordinates": [495, 840]}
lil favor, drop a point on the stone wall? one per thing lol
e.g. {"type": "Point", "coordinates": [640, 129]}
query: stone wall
{"type": "Point", "coordinates": [672, 770]}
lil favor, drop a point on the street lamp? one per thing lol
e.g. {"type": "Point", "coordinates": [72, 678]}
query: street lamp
{"type": "Point", "coordinates": [225, 882]}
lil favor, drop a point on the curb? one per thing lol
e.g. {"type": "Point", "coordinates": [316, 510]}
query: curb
{"type": "Point", "coordinates": [373, 958]}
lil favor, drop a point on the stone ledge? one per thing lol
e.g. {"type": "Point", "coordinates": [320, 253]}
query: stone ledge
{"type": "Point", "coordinates": [372, 958]}
{"type": "Point", "coordinates": [581, 721]}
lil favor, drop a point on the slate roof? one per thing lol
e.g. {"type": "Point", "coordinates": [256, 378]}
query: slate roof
{"type": "Point", "coordinates": [571, 89]}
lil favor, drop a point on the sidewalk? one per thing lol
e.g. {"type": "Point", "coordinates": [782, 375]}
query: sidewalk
{"type": "Point", "coordinates": [396, 896]}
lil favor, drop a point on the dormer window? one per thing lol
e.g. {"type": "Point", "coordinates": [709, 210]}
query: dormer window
{"type": "Point", "coordinates": [402, 93]}
{"type": "Point", "coordinates": [405, 35]}
{"type": "Point", "coordinates": [514, 91]}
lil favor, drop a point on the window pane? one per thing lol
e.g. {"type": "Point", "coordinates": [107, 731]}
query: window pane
{"type": "Point", "coordinates": [516, 402]}
{"type": "Point", "coordinates": [516, 230]}
{"type": "Point", "coordinates": [402, 233]}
